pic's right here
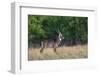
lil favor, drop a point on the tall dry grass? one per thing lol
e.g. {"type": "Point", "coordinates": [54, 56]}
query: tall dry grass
{"type": "Point", "coordinates": [71, 52]}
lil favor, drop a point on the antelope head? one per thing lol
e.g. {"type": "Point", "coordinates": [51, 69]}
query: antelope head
{"type": "Point", "coordinates": [60, 36]}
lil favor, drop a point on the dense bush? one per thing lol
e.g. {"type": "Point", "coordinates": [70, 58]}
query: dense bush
{"type": "Point", "coordinates": [74, 29]}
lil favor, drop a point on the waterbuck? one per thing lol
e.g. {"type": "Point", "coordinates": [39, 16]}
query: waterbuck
{"type": "Point", "coordinates": [53, 42]}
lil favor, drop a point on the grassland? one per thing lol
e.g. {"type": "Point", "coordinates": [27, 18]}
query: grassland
{"type": "Point", "coordinates": [70, 52]}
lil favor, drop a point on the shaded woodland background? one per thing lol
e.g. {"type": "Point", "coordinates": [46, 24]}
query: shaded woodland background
{"type": "Point", "coordinates": [74, 29]}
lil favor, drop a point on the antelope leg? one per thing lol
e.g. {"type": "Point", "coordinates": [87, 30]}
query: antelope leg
{"type": "Point", "coordinates": [41, 50]}
{"type": "Point", "coordinates": [54, 49]}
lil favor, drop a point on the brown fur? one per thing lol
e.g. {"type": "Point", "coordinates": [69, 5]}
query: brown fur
{"type": "Point", "coordinates": [51, 43]}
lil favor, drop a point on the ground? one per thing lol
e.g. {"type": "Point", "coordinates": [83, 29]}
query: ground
{"type": "Point", "coordinates": [70, 52]}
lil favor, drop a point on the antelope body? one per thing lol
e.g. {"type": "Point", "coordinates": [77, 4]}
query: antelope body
{"type": "Point", "coordinates": [52, 43]}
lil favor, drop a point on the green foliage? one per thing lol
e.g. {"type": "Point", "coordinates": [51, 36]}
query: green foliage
{"type": "Point", "coordinates": [72, 28]}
